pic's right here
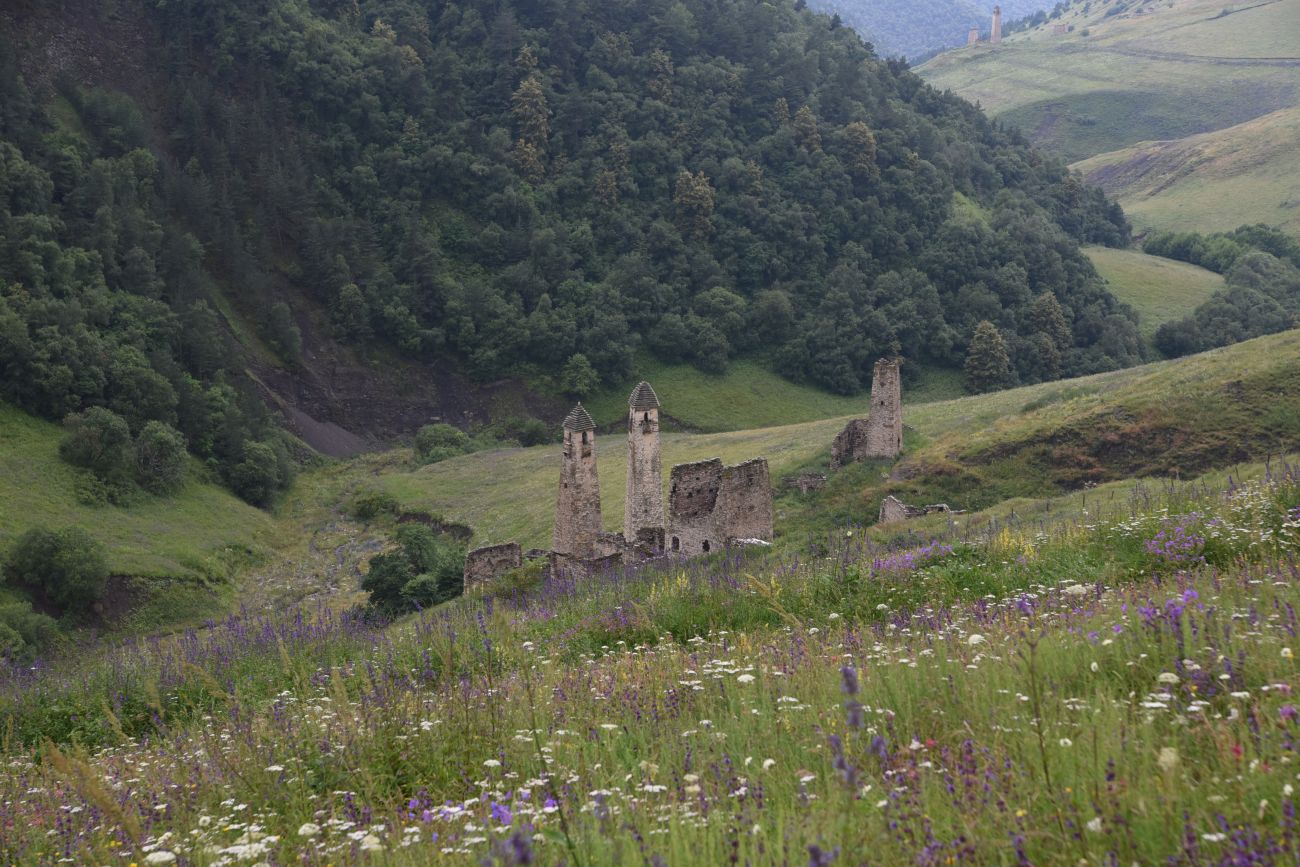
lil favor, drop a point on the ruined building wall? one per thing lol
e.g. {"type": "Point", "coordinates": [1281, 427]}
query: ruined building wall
{"type": "Point", "coordinates": [643, 508]}
{"type": "Point", "coordinates": [577, 509]}
{"type": "Point", "coordinates": [482, 564]}
{"type": "Point", "coordinates": [692, 497]}
{"type": "Point", "coordinates": [744, 506]}
{"type": "Point", "coordinates": [711, 506]}
{"type": "Point", "coordinates": [885, 423]}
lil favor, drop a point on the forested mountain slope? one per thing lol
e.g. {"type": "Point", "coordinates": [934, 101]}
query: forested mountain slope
{"type": "Point", "coordinates": [191, 187]}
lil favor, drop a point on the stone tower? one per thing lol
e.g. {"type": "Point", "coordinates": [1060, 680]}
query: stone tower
{"type": "Point", "coordinates": [973, 36]}
{"type": "Point", "coordinates": [643, 508]}
{"type": "Point", "coordinates": [577, 510]}
{"type": "Point", "coordinates": [995, 36]}
{"type": "Point", "coordinates": [885, 423]}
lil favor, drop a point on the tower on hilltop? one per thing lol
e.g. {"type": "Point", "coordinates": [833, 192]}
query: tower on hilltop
{"type": "Point", "coordinates": [643, 507]}
{"type": "Point", "coordinates": [577, 509]}
{"type": "Point", "coordinates": [995, 36]}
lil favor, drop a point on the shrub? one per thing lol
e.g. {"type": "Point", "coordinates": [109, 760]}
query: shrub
{"type": "Point", "coordinates": [423, 570]}
{"type": "Point", "coordinates": [24, 633]}
{"type": "Point", "coordinates": [437, 442]}
{"type": "Point", "coordinates": [264, 470]}
{"type": "Point", "coordinates": [66, 567]}
{"type": "Point", "coordinates": [160, 458]}
{"type": "Point", "coordinates": [371, 503]}
{"type": "Point", "coordinates": [98, 440]}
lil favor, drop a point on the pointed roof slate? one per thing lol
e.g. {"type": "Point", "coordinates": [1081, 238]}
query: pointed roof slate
{"type": "Point", "coordinates": [643, 397]}
{"type": "Point", "coordinates": [579, 419]}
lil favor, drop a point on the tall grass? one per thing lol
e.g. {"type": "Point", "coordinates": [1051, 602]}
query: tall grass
{"type": "Point", "coordinates": [1112, 689]}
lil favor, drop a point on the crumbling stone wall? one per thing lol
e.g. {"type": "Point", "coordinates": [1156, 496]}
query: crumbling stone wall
{"type": "Point", "coordinates": [711, 506]}
{"type": "Point", "coordinates": [745, 502]}
{"type": "Point", "coordinates": [805, 482]}
{"type": "Point", "coordinates": [894, 509]}
{"type": "Point", "coordinates": [643, 506]}
{"type": "Point", "coordinates": [880, 434]}
{"type": "Point", "coordinates": [578, 522]}
{"type": "Point", "coordinates": [488, 562]}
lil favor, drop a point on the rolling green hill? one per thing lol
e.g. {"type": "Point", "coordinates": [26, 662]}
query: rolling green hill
{"type": "Point", "coordinates": [1214, 181]}
{"type": "Point", "coordinates": [1144, 89]}
{"type": "Point", "coordinates": [1160, 290]}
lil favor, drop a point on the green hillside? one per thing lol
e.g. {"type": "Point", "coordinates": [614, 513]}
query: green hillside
{"type": "Point", "coordinates": [1031, 441]}
{"type": "Point", "coordinates": [173, 557]}
{"type": "Point", "coordinates": [188, 535]}
{"type": "Point", "coordinates": [1160, 290]}
{"type": "Point", "coordinates": [1210, 182]}
{"type": "Point", "coordinates": [1145, 90]}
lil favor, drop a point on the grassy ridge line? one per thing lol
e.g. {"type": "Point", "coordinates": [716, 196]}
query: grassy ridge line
{"type": "Point", "coordinates": [509, 494]}
{"type": "Point", "coordinates": [176, 536]}
{"type": "Point", "coordinates": [1160, 290]}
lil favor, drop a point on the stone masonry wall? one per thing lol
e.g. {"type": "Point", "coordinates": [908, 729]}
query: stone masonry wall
{"type": "Point", "coordinates": [710, 506]}
{"type": "Point", "coordinates": [486, 563]}
{"type": "Point", "coordinates": [577, 508]}
{"type": "Point", "coordinates": [644, 504]}
{"type": "Point", "coordinates": [692, 496]}
{"type": "Point", "coordinates": [744, 507]}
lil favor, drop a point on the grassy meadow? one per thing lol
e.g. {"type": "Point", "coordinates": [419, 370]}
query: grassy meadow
{"type": "Point", "coordinates": [1113, 687]}
{"type": "Point", "coordinates": [1160, 290]}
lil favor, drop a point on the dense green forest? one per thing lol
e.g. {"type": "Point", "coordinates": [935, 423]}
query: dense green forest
{"type": "Point", "coordinates": [1261, 267]}
{"type": "Point", "coordinates": [522, 189]}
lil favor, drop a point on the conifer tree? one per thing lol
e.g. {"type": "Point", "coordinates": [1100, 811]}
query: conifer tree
{"type": "Point", "coordinates": [988, 367]}
{"type": "Point", "coordinates": [805, 130]}
{"type": "Point", "coordinates": [1048, 317]}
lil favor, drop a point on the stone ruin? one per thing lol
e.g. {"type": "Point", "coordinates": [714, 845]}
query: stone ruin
{"type": "Point", "coordinates": [484, 563]}
{"type": "Point", "coordinates": [880, 434]}
{"type": "Point", "coordinates": [894, 509]}
{"type": "Point", "coordinates": [711, 506]}
{"type": "Point", "coordinates": [805, 482]}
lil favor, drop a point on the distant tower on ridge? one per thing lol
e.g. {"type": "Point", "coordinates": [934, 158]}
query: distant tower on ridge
{"type": "Point", "coordinates": [577, 509]}
{"type": "Point", "coordinates": [973, 36]}
{"type": "Point", "coordinates": [996, 36]}
{"type": "Point", "coordinates": [643, 507]}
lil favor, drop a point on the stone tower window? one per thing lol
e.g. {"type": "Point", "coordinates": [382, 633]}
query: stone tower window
{"type": "Point", "coordinates": [706, 546]}
{"type": "Point", "coordinates": [677, 544]}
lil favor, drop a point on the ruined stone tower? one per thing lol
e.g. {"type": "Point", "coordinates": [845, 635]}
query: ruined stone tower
{"type": "Point", "coordinates": [577, 510]}
{"type": "Point", "coordinates": [711, 507]}
{"type": "Point", "coordinates": [643, 507]}
{"type": "Point", "coordinates": [995, 36]}
{"type": "Point", "coordinates": [973, 36]}
{"type": "Point", "coordinates": [885, 423]}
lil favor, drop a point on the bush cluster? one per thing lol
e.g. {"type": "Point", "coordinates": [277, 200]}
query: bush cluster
{"type": "Point", "coordinates": [421, 571]}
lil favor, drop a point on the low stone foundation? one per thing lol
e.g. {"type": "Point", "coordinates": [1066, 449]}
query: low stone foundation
{"type": "Point", "coordinates": [894, 509]}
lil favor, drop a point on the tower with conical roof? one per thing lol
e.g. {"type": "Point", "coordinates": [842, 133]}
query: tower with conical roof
{"type": "Point", "coordinates": [577, 509]}
{"type": "Point", "coordinates": [643, 508]}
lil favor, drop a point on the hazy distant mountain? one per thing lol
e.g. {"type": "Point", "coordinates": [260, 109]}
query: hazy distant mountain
{"type": "Point", "coordinates": [914, 28]}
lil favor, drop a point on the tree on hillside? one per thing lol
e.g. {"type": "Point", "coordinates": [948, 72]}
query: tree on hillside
{"type": "Point", "coordinates": [65, 567]}
{"type": "Point", "coordinates": [579, 378]}
{"type": "Point", "coordinates": [988, 367]}
{"type": "Point", "coordinates": [98, 440]}
{"type": "Point", "coordinates": [422, 570]}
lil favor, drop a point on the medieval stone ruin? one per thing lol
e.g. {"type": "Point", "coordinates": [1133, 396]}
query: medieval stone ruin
{"type": "Point", "coordinates": [880, 434]}
{"type": "Point", "coordinates": [711, 507]}
{"type": "Point", "coordinates": [894, 509]}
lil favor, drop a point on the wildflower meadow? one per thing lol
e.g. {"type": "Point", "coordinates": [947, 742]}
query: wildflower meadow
{"type": "Point", "coordinates": [1109, 689]}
